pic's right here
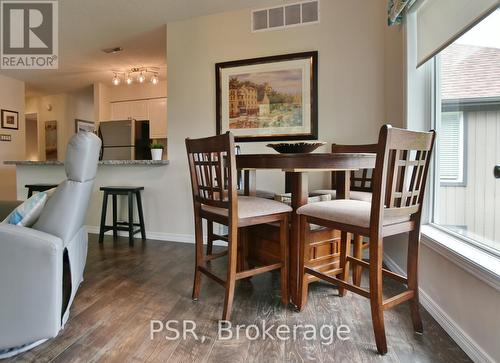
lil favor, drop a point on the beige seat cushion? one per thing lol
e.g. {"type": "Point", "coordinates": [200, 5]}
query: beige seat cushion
{"type": "Point", "coordinates": [346, 211]}
{"type": "Point", "coordinates": [249, 207]}
{"type": "Point", "coordinates": [355, 195]}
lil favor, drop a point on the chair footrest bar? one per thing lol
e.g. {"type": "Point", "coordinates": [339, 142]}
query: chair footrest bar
{"type": "Point", "coordinates": [257, 271]}
{"type": "Point", "coordinates": [398, 299]}
{"type": "Point", "coordinates": [212, 276]}
{"type": "Point", "coordinates": [338, 282]}
{"type": "Point", "coordinates": [213, 256]}
{"type": "Point", "coordinates": [386, 272]}
{"type": "Point", "coordinates": [217, 237]}
{"type": "Point", "coordinates": [124, 229]}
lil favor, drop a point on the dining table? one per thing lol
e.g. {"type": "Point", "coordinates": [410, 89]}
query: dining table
{"type": "Point", "coordinates": [296, 168]}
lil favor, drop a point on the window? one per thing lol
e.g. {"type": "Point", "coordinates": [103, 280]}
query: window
{"type": "Point", "coordinates": [467, 117]}
{"type": "Point", "coordinates": [451, 149]}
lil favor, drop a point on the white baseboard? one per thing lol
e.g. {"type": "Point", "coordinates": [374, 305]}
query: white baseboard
{"type": "Point", "coordinates": [468, 345]}
{"type": "Point", "coordinates": [159, 236]}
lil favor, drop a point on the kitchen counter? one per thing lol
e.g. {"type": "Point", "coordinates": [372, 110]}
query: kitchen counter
{"type": "Point", "coordinates": [101, 162]}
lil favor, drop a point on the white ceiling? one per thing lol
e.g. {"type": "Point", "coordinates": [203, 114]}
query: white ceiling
{"type": "Point", "coordinates": [86, 27]}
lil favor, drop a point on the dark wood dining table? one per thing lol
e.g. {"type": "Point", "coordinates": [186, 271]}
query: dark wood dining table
{"type": "Point", "coordinates": [296, 168]}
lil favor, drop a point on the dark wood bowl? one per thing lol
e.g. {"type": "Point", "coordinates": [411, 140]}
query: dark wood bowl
{"type": "Point", "coordinates": [296, 147]}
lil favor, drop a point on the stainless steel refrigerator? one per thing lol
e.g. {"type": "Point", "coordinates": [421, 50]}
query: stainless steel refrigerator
{"type": "Point", "coordinates": [125, 140]}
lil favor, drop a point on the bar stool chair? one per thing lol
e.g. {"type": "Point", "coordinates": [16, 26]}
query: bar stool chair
{"type": "Point", "coordinates": [360, 188]}
{"type": "Point", "coordinates": [399, 178]}
{"type": "Point", "coordinates": [128, 225]}
{"type": "Point", "coordinates": [212, 165]}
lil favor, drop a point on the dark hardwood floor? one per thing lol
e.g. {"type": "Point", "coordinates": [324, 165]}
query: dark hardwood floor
{"type": "Point", "coordinates": [125, 288]}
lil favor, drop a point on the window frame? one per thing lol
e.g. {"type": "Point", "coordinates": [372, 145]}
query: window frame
{"type": "Point", "coordinates": [422, 108]}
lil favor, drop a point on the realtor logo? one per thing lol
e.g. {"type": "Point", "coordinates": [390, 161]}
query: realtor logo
{"type": "Point", "coordinates": [29, 34]}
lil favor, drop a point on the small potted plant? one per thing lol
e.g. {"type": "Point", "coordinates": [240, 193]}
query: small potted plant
{"type": "Point", "coordinates": [156, 151]}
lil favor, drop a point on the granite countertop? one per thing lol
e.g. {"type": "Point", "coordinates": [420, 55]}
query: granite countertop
{"type": "Point", "coordinates": [101, 162]}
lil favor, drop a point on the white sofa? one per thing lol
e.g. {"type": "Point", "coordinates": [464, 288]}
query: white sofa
{"type": "Point", "coordinates": [42, 267]}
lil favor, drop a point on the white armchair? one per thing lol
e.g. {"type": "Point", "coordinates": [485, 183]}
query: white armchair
{"type": "Point", "coordinates": [42, 267]}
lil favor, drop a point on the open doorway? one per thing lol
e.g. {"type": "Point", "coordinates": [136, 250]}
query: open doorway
{"type": "Point", "coordinates": [32, 136]}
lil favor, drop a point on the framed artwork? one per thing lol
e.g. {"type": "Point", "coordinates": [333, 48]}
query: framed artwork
{"type": "Point", "coordinates": [82, 125]}
{"type": "Point", "coordinates": [10, 120]}
{"type": "Point", "coordinates": [268, 99]}
{"type": "Point", "coordinates": [50, 140]}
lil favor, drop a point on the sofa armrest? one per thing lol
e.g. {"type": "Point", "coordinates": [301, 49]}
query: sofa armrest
{"type": "Point", "coordinates": [30, 285]}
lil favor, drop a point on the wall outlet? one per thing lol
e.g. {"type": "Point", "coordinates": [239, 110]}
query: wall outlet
{"type": "Point", "coordinates": [4, 137]}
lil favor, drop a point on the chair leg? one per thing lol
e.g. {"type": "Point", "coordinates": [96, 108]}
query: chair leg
{"type": "Point", "coordinates": [232, 260]}
{"type": "Point", "coordinates": [284, 259]}
{"type": "Point", "coordinates": [130, 219]}
{"type": "Point", "coordinates": [141, 215]}
{"type": "Point", "coordinates": [345, 244]}
{"type": "Point", "coordinates": [412, 272]}
{"type": "Point", "coordinates": [358, 253]}
{"type": "Point", "coordinates": [103, 216]}
{"type": "Point", "coordinates": [376, 248]}
{"type": "Point", "coordinates": [210, 237]}
{"type": "Point", "coordinates": [303, 258]}
{"type": "Point", "coordinates": [198, 234]}
{"type": "Point", "coordinates": [243, 250]}
{"type": "Point", "coordinates": [115, 214]}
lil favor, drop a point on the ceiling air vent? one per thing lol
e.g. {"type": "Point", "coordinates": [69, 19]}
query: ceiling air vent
{"type": "Point", "coordinates": [280, 17]}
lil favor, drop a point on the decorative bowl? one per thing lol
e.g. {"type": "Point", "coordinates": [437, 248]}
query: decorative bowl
{"type": "Point", "coordinates": [296, 147]}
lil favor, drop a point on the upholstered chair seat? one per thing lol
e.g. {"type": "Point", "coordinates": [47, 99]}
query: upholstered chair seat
{"type": "Point", "coordinates": [249, 207]}
{"type": "Point", "coordinates": [354, 194]}
{"type": "Point", "coordinates": [345, 211]}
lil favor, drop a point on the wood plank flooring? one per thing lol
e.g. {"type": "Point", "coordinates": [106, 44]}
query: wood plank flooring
{"type": "Point", "coordinates": [125, 288]}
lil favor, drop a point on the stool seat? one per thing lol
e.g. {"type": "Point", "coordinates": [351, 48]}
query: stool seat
{"type": "Point", "coordinates": [121, 190]}
{"type": "Point", "coordinates": [130, 192]}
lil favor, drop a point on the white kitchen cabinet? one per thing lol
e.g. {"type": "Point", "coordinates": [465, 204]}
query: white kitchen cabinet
{"type": "Point", "coordinates": [120, 111]}
{"type": "Point", "coordinates": [158, 118]}
{"type": "Point", "coordinates": [154, 110]}
{"type": "Point", "coordinates": [137, 110]}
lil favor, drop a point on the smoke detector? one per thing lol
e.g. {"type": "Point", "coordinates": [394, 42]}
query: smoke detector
{"type": "Point", "coordinates": [112, 50]}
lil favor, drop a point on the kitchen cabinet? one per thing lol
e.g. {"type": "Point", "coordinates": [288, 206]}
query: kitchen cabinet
{"type": "Point", "coordinates": [154, 110]}
{"type": "Point", "coordinates": [158, 118]}
{"type": "Point", "coordinates": [137, 110]}
{"type": "Point", "coordinates": [120, 111]}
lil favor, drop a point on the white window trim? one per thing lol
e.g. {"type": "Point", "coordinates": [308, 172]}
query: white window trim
{"type": "Point", "coordinates": [471, 258]}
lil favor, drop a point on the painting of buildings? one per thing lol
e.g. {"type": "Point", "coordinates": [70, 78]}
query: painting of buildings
{"type": "Point", "coordinates": [266, 99]}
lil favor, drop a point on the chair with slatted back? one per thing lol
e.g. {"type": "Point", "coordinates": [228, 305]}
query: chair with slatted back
{"type": "Point", "coordinates": [399, 179]}
{"type": "Point", "coordinates": [360, 188]}
{"type": "Point", "coordinates": [212, 165]}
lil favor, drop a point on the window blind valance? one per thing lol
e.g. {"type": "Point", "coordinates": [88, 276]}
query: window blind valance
{"type": "Point", "coordinates": [441, 22]}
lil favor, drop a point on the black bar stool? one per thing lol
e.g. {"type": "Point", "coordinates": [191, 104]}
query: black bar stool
{"type": "Point", "coordinates": [118, 225]}
{"type": "Point", "coordinates": [38, 188]}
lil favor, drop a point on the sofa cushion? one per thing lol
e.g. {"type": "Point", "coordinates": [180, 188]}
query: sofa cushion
{"type": "Point", "coordinates": [354, 194]}
{"type": "Point", "coordinates": [345, 211]}
{"type": "Point", "coordinates": [249, 207]}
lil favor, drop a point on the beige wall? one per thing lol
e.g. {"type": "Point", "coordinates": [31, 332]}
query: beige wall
{"type": "Point", "coordinates": [351, 83]}
{"type": "Point", "coordinates": [11, 98]}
